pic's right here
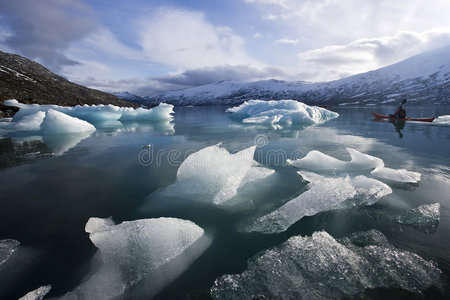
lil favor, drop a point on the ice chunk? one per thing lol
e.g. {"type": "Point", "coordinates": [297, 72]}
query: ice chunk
{"type": "Point", "coordinates": [321, 267]}
{"type": "Point", "coordinates": [425, 217]}
{"type": "Point", "coordinates": [139, 257]}
{"type": "Point", "coordinates": [318, 161]}
{"type": "Point", "coordinates": [97, 113]}
{"type": "Point", "coordinates": [282, 111]}
{"type": "Point", "coordinates": [7, 248]}
{"type": "Point", "coordinates": [213, 174]}
{"type": "Point", "coordinates": [56, 122]}
{"type": "Point", "coordinates": [325, 193]}
{"type": "Point", "coordinates": [37, 294]}
{"type": "Point", "coordinates": [445, 120]}
{"type": "Point", "coordinates": [30, 122]}
{"type": "Point", "coordinates": [400, 175]}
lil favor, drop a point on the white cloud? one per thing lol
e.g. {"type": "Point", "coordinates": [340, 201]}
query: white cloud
{"type": "Point", "coordinates": [185, 39]}
{"type": "Point", "coordinates": [287, 41]}
{"type": "Point", "coordinates": [334, 62]}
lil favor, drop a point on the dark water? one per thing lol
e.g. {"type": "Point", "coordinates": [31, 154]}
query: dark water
{"type": "Point", "coordinates": [46, 199]}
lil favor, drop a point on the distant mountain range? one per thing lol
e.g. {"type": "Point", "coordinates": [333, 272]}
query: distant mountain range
{"type": "Point", "coordinates": [29, 82]}
{"type": "Point", "coordinates": [422, 79]}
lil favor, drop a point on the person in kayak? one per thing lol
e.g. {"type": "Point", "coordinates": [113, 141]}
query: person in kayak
{"type": "Point", "coordinates": [400, 113]}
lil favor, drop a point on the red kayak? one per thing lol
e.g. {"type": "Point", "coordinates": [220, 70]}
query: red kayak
{"type": "Point", "coordinates": [379, 116]}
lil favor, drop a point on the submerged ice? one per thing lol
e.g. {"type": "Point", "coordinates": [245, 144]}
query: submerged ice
{"type": "Point", "coordinates": [324, 193]}
{"type": "Point", "coordinates": [143, 254]}
{"type": "Point", "coordinates": [215, 175]}
{"type": "Point", "coordinates": [425, 217]}
{"type": "Point", "coordinates": [37, 294]}
{"type": "Point", "coordinates": [7, 248]}
{"type": "Point", "coordinates": [320, 162]}
{"type": "Point", "coordinates": [281, 112]}
{"type": "Point", "coordinates": [322, 267]}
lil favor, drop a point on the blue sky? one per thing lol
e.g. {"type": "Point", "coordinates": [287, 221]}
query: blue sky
{"type": "Point", "coordinates": [147, 46]}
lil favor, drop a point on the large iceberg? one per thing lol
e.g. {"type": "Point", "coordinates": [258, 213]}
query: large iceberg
{"type": "Point", "coordinates": [425, 217]}
{"type": "Point", "coordinates": [139, 257]}
{"type": "Point", "coordinates": [322, 267]}
{"type": "Point", "coordinates": [56, 122]}
{"type": "Point", "coordinates": [281, 112]}
{"type": "Point", "coordinates": [215, 175]}
{"type": "Point", "coordinates": [320, 162]}
{"type": "Point", "coordinates": [324, 193]}
{"type": "Point", "coordinates": [97, 113]}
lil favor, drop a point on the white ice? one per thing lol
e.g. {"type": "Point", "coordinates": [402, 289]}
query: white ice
{"type": "Point", "coordinates": [320, 162]}
{"type": "Point", "coordinates": [56, 122]}
{"type": "Point", "coordinates": [445, 120]}
{"type": "Point", "coordinates": [37, 294]}
{"type": "Point", "coordinates": [283, 112]}
{"type": "Point", "coordinates": [324, 193]}
{"type": "Point", "coordinates": [425, 217]}
{"type": "Point", "coordinates": [139, 256]}
{"type": "Point", "coordinates": [215, 175]}
{"type": "Point", "coordinates": [322, 267]}
{"type": "Point", "coordinates": [30, 122]}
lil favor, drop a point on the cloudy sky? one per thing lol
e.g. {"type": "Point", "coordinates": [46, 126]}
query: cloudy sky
{"type": "Point", "coordinates": [145, 46]}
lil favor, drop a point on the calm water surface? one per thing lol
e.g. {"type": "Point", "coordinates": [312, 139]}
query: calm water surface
{"type": "Point", "coordinates": [50, 187]}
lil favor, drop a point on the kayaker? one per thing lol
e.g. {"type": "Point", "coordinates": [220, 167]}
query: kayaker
{"type": "Point", "coordinates": [400, 113]}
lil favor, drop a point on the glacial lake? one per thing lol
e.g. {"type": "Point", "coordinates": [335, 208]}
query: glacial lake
{"type": "Point", "coordinates": [50, 187]}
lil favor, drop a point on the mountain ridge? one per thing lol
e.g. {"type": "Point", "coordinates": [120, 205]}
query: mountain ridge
{"type": "Point", "coordinates": [423, 79]}
{"type": "Point", "coordinates": [29, 82]}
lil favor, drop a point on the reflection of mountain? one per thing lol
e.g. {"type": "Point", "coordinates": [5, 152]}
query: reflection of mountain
{"type": "Point", "coordinates": [15, 152]}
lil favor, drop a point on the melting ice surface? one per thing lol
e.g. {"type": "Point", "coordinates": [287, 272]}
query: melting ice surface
{"type": "Point", "coordinates": [425, 217]}
{"type": "Point", "coordinates": [321, 267]}
{"type": "Point", "coordinates": [37, 294]}
{"type": "Point", "coordinates": [325, 193]}
{"type": "Point", "coordinates": [7, 248]}
{"type": "Point", "coordinates": [320, 162]}
{"type": "Point", "coordinates": [143, 254]}
{"type": "Point", "coordinates": [282, 112]}
{"type": "Point", "coordinates": [215, 175]}
{"type": "Point", "coordinates": [442, 120]}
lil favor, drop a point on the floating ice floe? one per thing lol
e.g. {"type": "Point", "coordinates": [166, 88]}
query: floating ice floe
{"type": "Point", "coordinates": [281, 112]}
{"type": "Point", "coordinates": [7, 248]}
{"type": "Point", "coordinates": [53, 119]}
{"type": "Point", "coordinates": [325, 193]}
{"type": "Point", "coordinates": [140, 257]}
{"type": "Point", "coordinates": [320, 162]}
{"type": "Point", "coordinates": [445, 120]}
{"type": "Point", "coordinates": [215, 175]}
{"type": "Point", "coordinates": [321, 267]}
{"type": "Point", "coordinates": [425, 217]}
{"type": "Point", "coordinates": [37, 294]}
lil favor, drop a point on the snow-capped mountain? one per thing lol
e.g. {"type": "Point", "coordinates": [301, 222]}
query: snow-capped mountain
{"type": "Point", "coordinates": [423, 79]}
{"type": "Point", "coordinates": [128, 97]}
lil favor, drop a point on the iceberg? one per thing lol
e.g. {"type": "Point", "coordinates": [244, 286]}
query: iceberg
{"type": "Point", "coordinates": [425, 217]}
{"type": "Point", "coordinates": [37, 294]}
{"type": "Point", "coordinates": [56, 122]}
{"type": "Point", "coordinates": [325, 193]}
{"type": "Point", "coordinates": [215, 175]}
{"type": "Point", "coordinates": [282, 111]}
{"type": "Point", "coordinates": [30, 122]}
{"type": "Point", "coordinates": [444, 120]}
{"type": "Point", "coordinates": [322, 267]}
{"type": "Point", "coordinates": [139, 257]}
{"type": "Point", "coordinates": [7, 248]}
{"type": "Point", "coordinates": [320, 162]}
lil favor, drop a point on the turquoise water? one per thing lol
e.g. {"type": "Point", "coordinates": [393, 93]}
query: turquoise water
{"type": "Point", "coordinates": [52, 186]}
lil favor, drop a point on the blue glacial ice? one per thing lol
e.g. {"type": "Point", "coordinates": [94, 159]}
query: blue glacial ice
{"type": "Point", "coordinates": [324, 193]}
{"type": "Point", "coordinates": [281, 112]}
{"type": "Point", "coordinates": [214, 175]}
{"type": "Point", "coordinates": [322, 267]}
{"type": "Point", "coordinates": [139, 257]}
